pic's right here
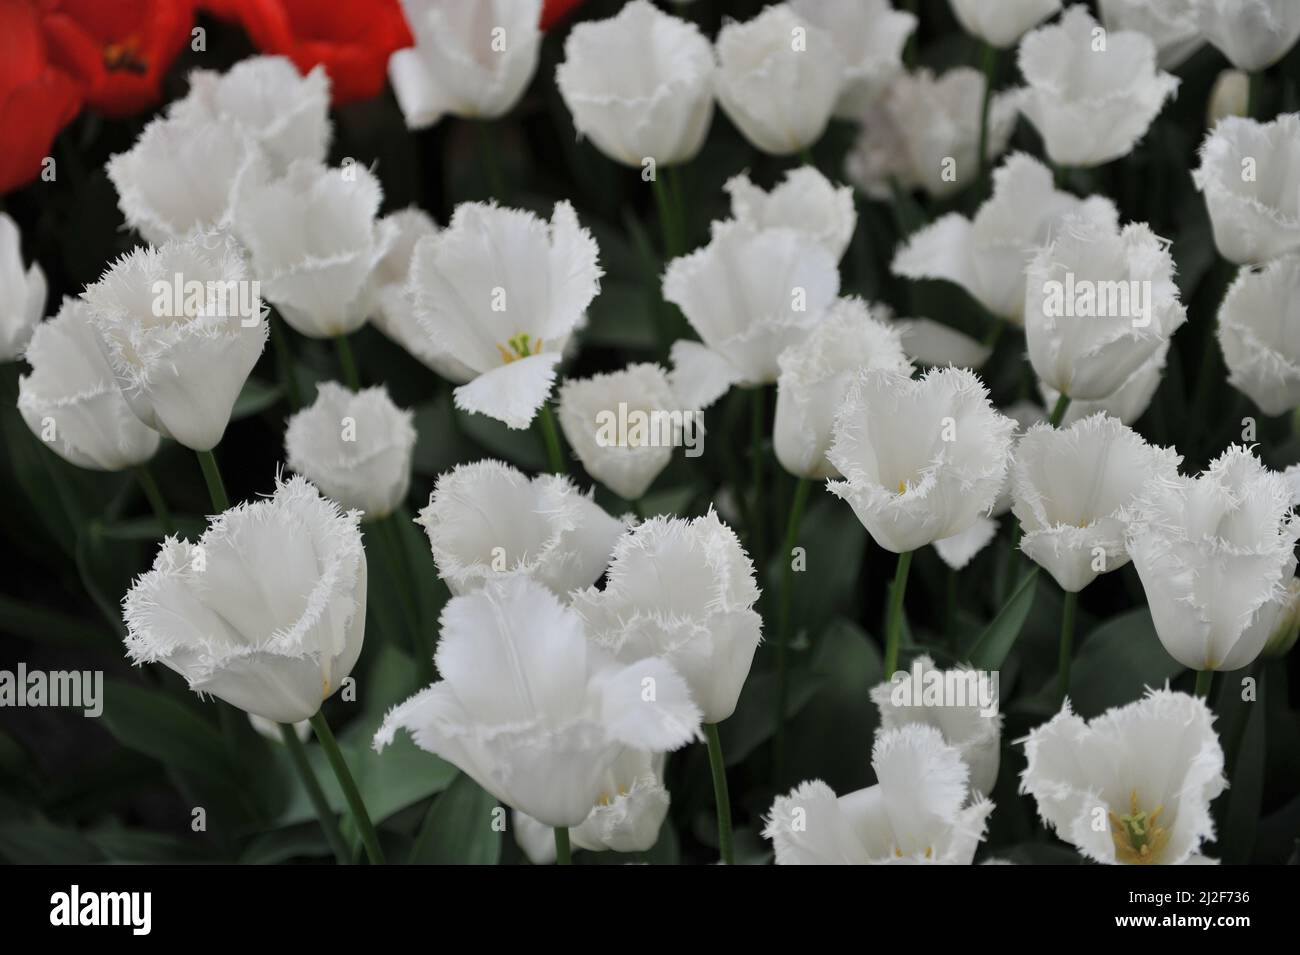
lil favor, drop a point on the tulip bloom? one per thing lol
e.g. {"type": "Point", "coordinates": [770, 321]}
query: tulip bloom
{"type": "Point", "coordinates": [1248, 173]}
{"type": "Point", "coordinates": [1170, 24]}
{"type": "Point", "coordinates": [750, 294]}
{"type": "Point", "coordinates": [816, 374]}
{"type": "Point", "coordinates": [1215, 554]}
{"type": "Point", "coordinates": [924, 133]}
{"type": "Point", "coordinates": [72, 401]}
{"type": "Point", "coordinates": [682, 590]}
{"type": "Point", "coordinates": [180, 359]}
{"type": "Point", "coordinates": [1091, 95]}
{"type": "Point", "coordinates": [1253, 34]}
{"type": "Point", "coordinates": [1003, 23]}
{"type": "Point", "coordinates": [987, 256]}
{"type": "Point", "coordinates": [779, 78]}
{"type": "Point", "coordinates": [267, 611]}
{"type": "Point", "coordinates": [545, 740]}
{"type": "Point", "coordinates": [1099, 302]}
{"type": "Point", "coordinates": [501, 290]}
{"type": "Point", "coordinates": [487, 520]}
{"type": "Point", "coordinates": [286, 114]}
{"type": "Point", "coordinates": [1148, 770]}
{"type": "Point", "coordinates": [922, 458]}
{"type": "Point", "coordinates": [355, 446]}
{"type": "Point", "coordinates": [804, 200]}
{"type": "Point", "coordinates": [470, 59]}
{"type": "Point", "coordinates": [1074, 488]}
{"type": "Point", "coordinates": [1259, 331]}
{"type": "Point", "coordinates": [975, 732]}
{"type": "Point", "coordinates": [932, 344]}
{"type": "Point", "coordinates": [870, 35]}
{"type": "Point", "coordinates": [1128, 403]}
{"type": "Point", "coordinates": [626, 463]}
{"type": "Point", "coordinates": [22, 299]}
{"type": "Point", "coordinates": [917, 813]}
{"type": "Point", "coordinates": [639, 85]}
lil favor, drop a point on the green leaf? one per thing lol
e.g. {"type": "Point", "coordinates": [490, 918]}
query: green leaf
{"type": "Point", "coordinates": [460, 828]}
{"type": "Point", "coordinates": [44, 625]}
{"type": "Point", "coordinates": [522, 448]}
{"type": "Point", "coordinates": [1116, 662]}
{"type": "Point", "coordinates": [754, 721]}
{"type": "Point", "coordinates": [993, 645]}
{"type": "Point", "coordinates": [151, 529]}
{"type": "Point", "coordinates": [256, 396]}
{"type": "Point", "coordinates": [152, 723]}
{"type": "Point", "coordinates": [621, 316]}
{"type": "Point", "coordinates": [1245, 796]}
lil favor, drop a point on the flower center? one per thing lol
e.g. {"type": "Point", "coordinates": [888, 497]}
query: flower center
{"type": "Point", "coordinates": [1138, 839]}
{"type": "Point", "coordinates": [604, 799]}
{"type": "Point", "coordinates": [929, 852]}
{"type": "Point", "coordinates": [519, 346]}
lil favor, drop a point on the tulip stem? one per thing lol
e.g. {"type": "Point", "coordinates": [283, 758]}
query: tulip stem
{"type": "Point", "coordinates": [1203, 680]}
{"type": "Point", "coordinates": [350, 792]}
{"type": "Point", "coordinates": [1069, 610]}
{"type": "Point", "coordinates": [894, 619]}
{"type": "Point", "coordinates": [284, 362]}
{"type": "Point", "coordinates": [989, 64]}
{"type": "Point", "coordinates": [720, 795]}
{"type": "Point", "coordinates": [404, 580]}
{"type": "Point", "coordinates": [151, 491]}
{"type": "Point", "coordinates": [1058, 412]}
{"type": "Point", "coordinates": [783, 622]}
{"type": "Point", "coordinates": [1254, 89]}
{"type": "Point", "coordinates": [490, 163]}
{"type": "Point", "coordinates": [563, 854]}
{"type": "Point", "coordinates": [667, 217]}
{"type": "Point", "coordinates": [212, 474]}
{"type": "Point", "coordinates": [328, 821]}
{"type": "Point", "coordinates": [347, 362]}
{"type": "Point", "coordinates": [551, 435]}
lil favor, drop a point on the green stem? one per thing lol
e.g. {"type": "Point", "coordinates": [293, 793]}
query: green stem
{"type": "Point", "coordinates": [667, 217]}
{"type": "Point", "coordinates": [679, 205]}
{"type": "Point", "coordinates": [720, 796]}
{"type": "Point", "coordinates": [894, 619]}
{"type": "Point", "coordinates": [347, 363]}
{"type": "Point", "coordinates": [1058, 412]}
{"type": "Point", "coordinates": [496, 182]}
{"type": "Point", "coordinates": [212, 475]}
{"type": "Point", "coordinates": [328, 821]}
{"type": "Point", "coordinates": [806, 157]}
{"type": "Point", "coordinates": [989, 64]}
{"type": "Point", "coordinates": [284, 362]}
{"type": "Point", "coordinates": [402, 577]}
{"type": "Point", "coordinates": [1254, 94]}
{"type": "Point", "coordinates": [783, 626]}
{"type": "Point", "coordinates": [757, 423]}
{"type": "Point", "coordinates": [1069, 610]}
{"type": "Point", "coordinates": [151, 491]}
{"type": "Point", "coordinates": [551, 435]}
{"type": "Point", "coordinates": [563, 854]}
{"type": "Point", "coordinates": [350, 792]}
{"type": "Point", "coordinates": [1203, 680]}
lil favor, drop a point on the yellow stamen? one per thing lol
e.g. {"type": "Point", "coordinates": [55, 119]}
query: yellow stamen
{"type": "Point", "coordinates": [521, 345]}
{"type": "Point", "coordinates": [1138, 839]}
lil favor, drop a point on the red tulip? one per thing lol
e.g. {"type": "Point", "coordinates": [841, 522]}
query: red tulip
{"type": "Point", "coordinates": [555, 10]}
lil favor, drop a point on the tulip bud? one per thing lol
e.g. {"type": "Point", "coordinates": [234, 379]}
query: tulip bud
{"type": "Point", "coordinates": [22, 299]}
{"type": "Point", "coordinates": [1230, 97]}
{"type": "Point", "coordinates": [1287, 627]}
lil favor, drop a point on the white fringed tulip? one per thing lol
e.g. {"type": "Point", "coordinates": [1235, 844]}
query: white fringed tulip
{"type": "Point", "coordinates": [313, 241]}
{"type": "Point", "coordinates": [592, 413]}
{"type": "Point", "coordinates": [1091, 94]}
{"type": "Point", "coordinates": [684, 591]}
{"type": "Point", "coordinates": [22, 293]}
{"type": "Point", "coordinates": [1074, 489]}
{"type": "Point", "coordinates": [267, 611]}
{"type": "Point", "coordinates": [265, 97]}
{"type": "Point", "coordinates": [805, 201]}
{"type": "Point", "coordinates": [355, 446]}
{"type": "Point", "coordinates": [1132, 786]}
{"type": "Point", "coordinates": [987, 256]}
{"type": "Point", "coordinates": [932, 344]}
{"type": "Point", "coordinates": [1170, 24]}
{"type": "Point", "coordinates": [183, 174]}
{"type": "Point", "coordinates": [500, 291]}
{"type": "Point", "coordinates": [1248, 173]}
{"type": "Point", "coordinates": [974, 728]}
{"type": "Point", "coordinates": [532, 710]}
{"type": "Point", "coordinates": [922, 458]}
{"type": "Point", "coordinates": [472, 60]}
{"type": "Point", "coordinates": [778, 79]}
{"type": "Point", "coordinates": [924, 133]}
{"type": "Point", "coordinates": [180, 359]}
{"type": "Point", "coordinates": [1259, 331]}
{"type": "Point", "coordinates": [1099, 302]}
{"type": "Point", "coordinates": [626, 817]}
{"type": "Point", "coordinates": [749, 294]}
{"type": "Point", "coordinates": [1128, 403]}
{"type": "Point", "coordinates": [1215, 554]}
{"type": "Point", "coordinates": [487, 520]}
{"type": "Point", "coordinates": [915, 814]}
{"type": "Point", "coordinates": [816, 373]}
{"type": "Point", "coordinates": [639, 85]}
{"type": "Point", "coordinates": [71, 399]}
{"type": "Point", "coordinates": [960, 549]}
{"type": "Point", "coordinates": [870, 35]}
{"type": "Point", "coordinates": [392, 305]}
{"type": "Point", "coordinates": [1253, 34]}
{"type": "Point", "coordinates": [1004, 22]}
